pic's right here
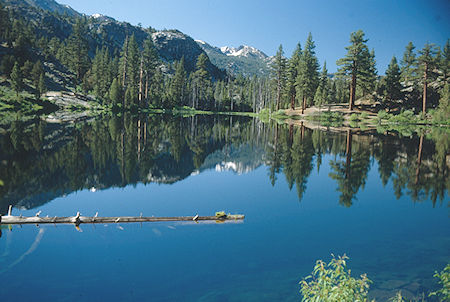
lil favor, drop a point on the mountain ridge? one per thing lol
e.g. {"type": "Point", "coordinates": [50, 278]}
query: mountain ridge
{"type": "Point", "coordinates": [246, 60]}
{"type": "Point", "coordinates": [50, 17]}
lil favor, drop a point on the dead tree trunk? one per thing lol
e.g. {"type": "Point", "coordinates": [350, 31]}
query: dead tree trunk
{"type": "Point", "coordinates": [124, 76]}
{"type": "Point", "coordinates": [303, 104]}
{"type": "Point", "coordinates": [141, 75]}
{"type": "Point", "coordinates": [425, 84]}
{"type": "Point", "coordinates": [352, 91]}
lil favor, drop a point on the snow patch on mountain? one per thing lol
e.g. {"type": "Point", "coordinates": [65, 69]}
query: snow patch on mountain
{"type": "Point", "coordinates": [200, 41]}
{"type": "Point", "coordinates": [243, 51]}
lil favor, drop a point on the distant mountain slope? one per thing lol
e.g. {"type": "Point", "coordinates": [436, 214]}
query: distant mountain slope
{"type": "Point", "coordinates": [173, 45]}
{"type": "Point", "coordinates": [245, 60]}
{"type": "Point", "coordinates": [106, 31]}
{"type": "Point", "coordinates": [49, 5]}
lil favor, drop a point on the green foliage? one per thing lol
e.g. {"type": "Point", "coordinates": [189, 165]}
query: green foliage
{"type": "Point", "coordinates": [7, 63]}
{"type": "Point", "coordinates": [382, 115]}
{"type": "Point", "coordinates": [363, 115]}
{"type": "Point", "coordinates": [178, 84]}
{"type": "Point", "coordinates": [354, 117]}
{"type": "Point", "coordinates": [322, 93]}
{"type": "Point", "coordinates": [102, 72]}
{"type": "Point", "coordinates": [333, 282]}
{"type": "Point", "coordinates": [358, 63]}
{"type": "Point", "coordinates": [408, 64]}
{"type": "Point", "coordinates": [16, 79]}
{"type": "Point", "coordinates": [393, 89]}
{"type": "Point", "coordinates": [445, 62]}
{"type": "Point", "coordinates": [308, 72]}
{"type": "Point", "coordinates": [201, 80]}
{"type": "Point", "coordinates": [326, 118]}
{"type": "Point", "coordinates": [292, 73]}
{"type": "Point", "coordinates": [442, 113]}
{"type": "Point", "coordinates": [397, 298]}
{"type": "Point", "coordinates": [77, 49]}
{"type": "Point", "coordinates": [406, 117]}
{"type": "Point", "coordinates": [115, 92]}
{"type": "Point", "coordinates": [444, 281]}
{"type": "Point", "coordinates": [279, 75]}
{"type": "Point", "coordinates": [41, 87]}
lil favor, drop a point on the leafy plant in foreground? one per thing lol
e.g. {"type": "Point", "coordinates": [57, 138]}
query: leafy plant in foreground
{"type": "Point", "coordinates": [332, 282]}
{"type": "Point", "coordinates": [444, 280]}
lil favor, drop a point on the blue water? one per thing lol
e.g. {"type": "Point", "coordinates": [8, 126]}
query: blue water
{"type": "Point", "coordinates": [399, 243]}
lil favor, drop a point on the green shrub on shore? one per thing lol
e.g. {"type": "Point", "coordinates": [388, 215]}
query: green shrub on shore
{"type": "Point", "coordinates": [354, 117]}
{"type": "Point", "coordinates": [444, 280]}
{"type": "Point", "coordinates": [333, 282]}
{"type": "Point", "coordinates": [382, 115]}
{"type": "Point", "coordinates": [363, 116]}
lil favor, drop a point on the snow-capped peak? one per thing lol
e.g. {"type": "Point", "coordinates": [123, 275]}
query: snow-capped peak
{"type": "Point", "coordinates": [96, 16]}
{"type": "Point", "coordinates": [243, 51]}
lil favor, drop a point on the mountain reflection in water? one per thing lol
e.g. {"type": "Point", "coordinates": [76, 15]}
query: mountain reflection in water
{"type": "Point", "coordinates": [41, 161]}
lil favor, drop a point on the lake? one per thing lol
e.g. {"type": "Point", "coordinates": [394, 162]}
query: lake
{"type": "Point", "coordinates": [306, 193]}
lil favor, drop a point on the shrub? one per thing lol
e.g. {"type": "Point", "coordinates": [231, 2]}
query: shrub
{"type": "Point", "coordinates": [444, 280]}
{"type": "Point", "coordinates": [382, 115]}
{"type": "Point", "coordinates": [354, 117]}
{"type": "Point", "coordinates": [332, 282]}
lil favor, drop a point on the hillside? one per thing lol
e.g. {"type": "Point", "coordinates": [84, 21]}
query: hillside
{"type": "Point", "coordinates": [55, 20]}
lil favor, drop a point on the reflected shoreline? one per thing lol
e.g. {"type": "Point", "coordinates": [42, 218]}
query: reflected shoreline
{"type": "Point", "coordinates": [42, 161]}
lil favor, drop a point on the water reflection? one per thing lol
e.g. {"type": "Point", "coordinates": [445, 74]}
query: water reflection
{"type": "Point", "coordinates": [41, 161]}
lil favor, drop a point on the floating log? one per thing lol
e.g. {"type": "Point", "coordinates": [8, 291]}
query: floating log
{"type": "Point", "coordinates": [78, 219]}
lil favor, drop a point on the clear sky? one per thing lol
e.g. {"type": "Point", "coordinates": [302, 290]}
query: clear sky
{"type": "Point", "coordinates": [389, 24]}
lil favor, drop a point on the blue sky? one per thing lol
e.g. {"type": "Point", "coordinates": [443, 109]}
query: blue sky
{"type": "Point", "coordinates": [389, 24]}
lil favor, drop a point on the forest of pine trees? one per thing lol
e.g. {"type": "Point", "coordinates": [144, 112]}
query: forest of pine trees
{"type": "Point", "coordinates": [419, 82]}
{"type": "Point", "coordinates": [136, 77]}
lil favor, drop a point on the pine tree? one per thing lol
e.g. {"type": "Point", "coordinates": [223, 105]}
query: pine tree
{"type": "Point", "coordinates": [178, 84]}
{"type": "Point", "coordinates": [332, 95]}
{"type": "Point", "coordinates": [308, 73]}
{"type": "Point", "coordinates": [77, 50]}
{"type": "Point", "coordinates": [150, 62]}
{"type": "Point", "coordinates": [322, 93]}
{"type": "Point", "coordinates": [115, 93]}
{"type": "Point", "coordinates": [133, 63]}
{"type": "Point", "coordinates": [368, 78]}
{"type": "Point", "coordinates": [292, 73]}
{"type": "Point", "coordinates": [102, 74]}
{"type": "Point", "coordinates": [123, 62]}
{"type": "Point", "coordinates": [36, 72]}
{"type": "Point", "coordinates": [356, 63]}
{"type": "Point", "coordinates": [408, 63]}
{"type": "Point", "coordinates": [5, 23]}
{"type": "Point", "coordinates": [27, 70]}
{"type": "Point", "coordinates": [427, 63]}
{"type": "Point", "coordinates": [41, 85]}
{"type": "Point", "coordinates": [131, 97]}
{"type": "Point", "coordinates": [21, 36]}
{"type": "Point", "coordinates": [16, 78]}
{"type": "Point", "coordinates": [201, 80]}
{"type": "Point", "coordinates": [393, 89]}
{"type": "Point", "coordinates": [445, 62]}
{"type": "Point", "coordinates": [279, 74]}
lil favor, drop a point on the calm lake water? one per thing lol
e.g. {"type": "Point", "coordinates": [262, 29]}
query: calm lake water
{"type": "Point", "coordinates": [307, 193]}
